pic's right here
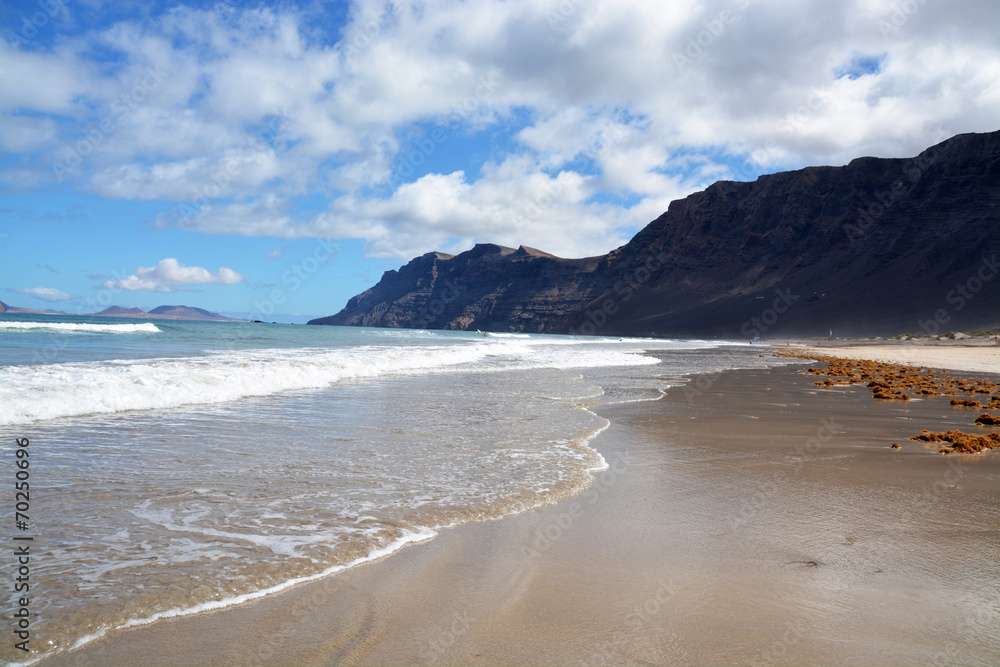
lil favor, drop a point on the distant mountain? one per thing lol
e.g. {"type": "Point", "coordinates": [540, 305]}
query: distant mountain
{"type": "Point", "coordinates": [165, 313]}
{"type": "Point", "coordinates": [876, 247]}
{"type": "Point", "coordinates": [186, 313]}
{"type": "Point", "coordinates": [14, 310]}
{"type": "Point", "coordinates": [118, 311]}
{"type": "Point", "coordinates": [160, 312]}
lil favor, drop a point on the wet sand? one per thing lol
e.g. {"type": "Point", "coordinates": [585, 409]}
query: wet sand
{"type": "Point", "coordinates": [747, 518]}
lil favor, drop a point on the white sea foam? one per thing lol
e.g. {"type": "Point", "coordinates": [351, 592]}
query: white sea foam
{"type": "Point", "coordinates": [37, 392]}
{"type": "Point", "coordinates": [80, 327]}
{"type": "Point", "coordinates": [281, 544]}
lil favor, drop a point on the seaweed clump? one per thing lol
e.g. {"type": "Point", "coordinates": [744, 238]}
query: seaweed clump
{"type": "Point", "coordinates": [965, 443]}
{"type": "Point", "coordinates": [896, 382]}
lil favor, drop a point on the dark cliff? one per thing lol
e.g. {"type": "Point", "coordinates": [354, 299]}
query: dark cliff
{"type": "Point", "coordinates": [877, 247]}
{"type": "Point", "coordinates": [489, 287]}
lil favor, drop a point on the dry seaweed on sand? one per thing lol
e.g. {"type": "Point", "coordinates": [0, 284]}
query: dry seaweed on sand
{"type": "Point", "coordinates": [894, 382]}
{"type": "Point", "coordinates": [965, 443]}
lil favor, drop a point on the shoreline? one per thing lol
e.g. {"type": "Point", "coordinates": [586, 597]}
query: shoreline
{"type": "Point", "coordinates": [665, 556]}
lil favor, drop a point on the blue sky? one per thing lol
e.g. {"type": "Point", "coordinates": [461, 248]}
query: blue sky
{"type": "Point", "coordinates": [272, 160]}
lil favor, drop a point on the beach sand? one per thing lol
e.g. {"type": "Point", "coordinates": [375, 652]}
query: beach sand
{"type": "Point", "coordinates": [747, 518]}
{"type": "Point", "coordinates": [978, 358]}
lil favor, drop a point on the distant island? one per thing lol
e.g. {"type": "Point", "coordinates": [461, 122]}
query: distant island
{"type": "Point", "coordinates": [158, 313]}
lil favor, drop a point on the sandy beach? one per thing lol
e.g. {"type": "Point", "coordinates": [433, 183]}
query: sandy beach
{"type": "Point", "coordinates": [971, 358]}
{"type": "Point", "coordinates": [748, 517]}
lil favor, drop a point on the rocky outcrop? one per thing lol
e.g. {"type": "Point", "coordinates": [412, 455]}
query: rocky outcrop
{"type": "Point", "coordinates": [876, 247]}
{"type": "Point", "coordinates": [490, 287]}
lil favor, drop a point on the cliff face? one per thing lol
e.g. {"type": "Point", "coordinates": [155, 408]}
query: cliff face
{"type": "Point", "coordinates": [880, 246]}
{"type": "Point", "coordinates": [490, 287]}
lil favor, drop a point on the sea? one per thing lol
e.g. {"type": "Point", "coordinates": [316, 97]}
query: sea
{"type": "Point", "coordinates": [175, 467]}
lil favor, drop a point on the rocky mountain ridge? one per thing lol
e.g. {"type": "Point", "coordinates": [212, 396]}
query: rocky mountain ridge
{"type": "Point", "coordinates": [876, 247]}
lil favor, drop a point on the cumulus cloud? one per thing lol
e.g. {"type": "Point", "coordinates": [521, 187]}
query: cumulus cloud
{"type": "Point", "coordinates": [231, 115]}
{"type": "Point", "coordinates": [44, 293]}
{"type": "Point", "coordinates": [169, 275]}
{"type": "Point", "coordinates": [512, 203]}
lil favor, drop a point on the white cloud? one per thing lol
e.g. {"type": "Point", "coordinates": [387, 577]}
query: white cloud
{"type": "Point", "coordinates": [19, 133]}
{"type": "Point", "coordinates": [45, 82]}
{"type": "Point", "coordinates": [170, 276]}
{"type": "Point", "coordinates": [44, 293]}
{"type": "Point", "coordinates": [232, 114]}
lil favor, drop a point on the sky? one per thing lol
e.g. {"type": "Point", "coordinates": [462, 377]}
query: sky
{"type": "Point", "coordinates": [271, 160]}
